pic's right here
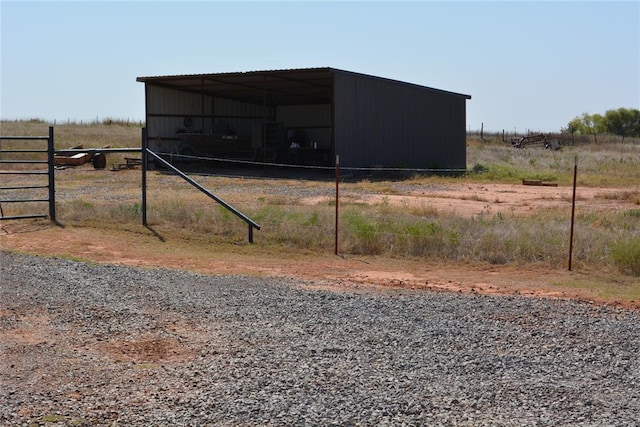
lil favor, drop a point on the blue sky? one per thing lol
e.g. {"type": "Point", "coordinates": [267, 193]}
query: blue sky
{"type": "Point", "coordinates": [527, 65]}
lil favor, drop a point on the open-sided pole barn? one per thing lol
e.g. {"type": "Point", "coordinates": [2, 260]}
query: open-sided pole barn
{"type": "Point", "coordinates": [307, 116]}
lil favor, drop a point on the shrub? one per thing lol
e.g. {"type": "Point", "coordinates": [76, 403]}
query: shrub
{"type": "Point", "coordinates": [364, 230]}
{"type": "Point", "coordinates": [127, 212]}
{"type": "Point", "coordinates": [626, 255]}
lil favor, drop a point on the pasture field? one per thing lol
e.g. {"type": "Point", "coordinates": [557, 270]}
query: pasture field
{"type": "Point", "coordinates": [481, 232]}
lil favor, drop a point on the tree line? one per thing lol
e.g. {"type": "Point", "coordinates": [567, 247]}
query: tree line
{"type": "Point", "coordinates": [623, 122]}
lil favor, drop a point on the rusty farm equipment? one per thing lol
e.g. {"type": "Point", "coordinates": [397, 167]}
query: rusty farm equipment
{"type": "Point", "coordinates": [521, 142]}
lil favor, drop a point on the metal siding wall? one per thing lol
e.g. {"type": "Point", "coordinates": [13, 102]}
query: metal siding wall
{"type": "Point", "coordinates": [434, 142]}
{"type": "Point", "coordinates": [238, 110]}
{"type": "Point", "coordinates": [367, 119]}
{"type": "Point", "coordinates": [396, 125]}
{"type": "Point", "coordinates": [167, 101]}
{"type": "Point", "coordinates": [346, 138]}
{"type": "Point", "coordinates": [177, 104]}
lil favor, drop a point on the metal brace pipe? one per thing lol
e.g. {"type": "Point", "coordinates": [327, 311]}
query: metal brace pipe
{"type": "Point", "coordinates": [252, 224]}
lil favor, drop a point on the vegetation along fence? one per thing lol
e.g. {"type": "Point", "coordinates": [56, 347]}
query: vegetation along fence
{"type": "Point", "coordinates": [375, 217]}
{"type": "Point", "coordinates": [36, 157]}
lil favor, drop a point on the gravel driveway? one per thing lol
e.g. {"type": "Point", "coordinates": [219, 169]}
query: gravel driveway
{"type": "Point", "coordinates": [86, 344]}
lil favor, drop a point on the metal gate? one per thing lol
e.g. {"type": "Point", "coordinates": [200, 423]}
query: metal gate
{"type": "Point", "coordinates": [22, 157]}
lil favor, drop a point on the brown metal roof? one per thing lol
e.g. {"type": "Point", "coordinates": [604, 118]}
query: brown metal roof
{"type": "Point", "coordinates": [276, 87]}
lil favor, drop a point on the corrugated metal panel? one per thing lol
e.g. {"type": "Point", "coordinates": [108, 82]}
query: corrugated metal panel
{"type": "Point", "coordinates": [167, 109]}
{"type": "Point", "coordinates": [377, 121]}
{"type": "Point", "coordinates": [235, 73]}
{"type": "Point", "coordinates": [382, 122]}
{"type": "Point", "coordinates": [292, 80]}
{"type": "Point", "coordinates": [280, 87]}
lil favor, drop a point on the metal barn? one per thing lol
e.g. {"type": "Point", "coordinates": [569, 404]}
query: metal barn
{"type": "Point", "coordinates": [307, 116]}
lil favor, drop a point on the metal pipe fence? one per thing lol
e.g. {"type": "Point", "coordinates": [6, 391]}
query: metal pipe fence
{"type": "Point", "coordinates": [50, 186]}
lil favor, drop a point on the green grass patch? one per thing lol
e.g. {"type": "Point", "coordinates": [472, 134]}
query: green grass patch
{"type": "Point", "coordinates": [626, 255]}
{"type": "Point", "coordinates": [634, 213]}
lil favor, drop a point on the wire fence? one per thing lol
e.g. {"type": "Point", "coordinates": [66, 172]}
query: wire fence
{"type": "Point", "coordinates": [174, 156]}
{"type": "Point", "coordinates": [397, 217]}
{"type": "Point", "coordinates": [392, 219]}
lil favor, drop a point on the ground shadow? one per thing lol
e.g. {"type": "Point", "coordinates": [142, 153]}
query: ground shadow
{"type": "Point", "coordinates": [155, 233]}
{"type": "Point", "coordinates": [17, 226]}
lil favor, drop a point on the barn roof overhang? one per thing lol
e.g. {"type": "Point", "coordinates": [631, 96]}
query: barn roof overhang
{"type": "Point", "coordinates": [276, 87]}
{"type": "Point", "coordinates": [273, 87]}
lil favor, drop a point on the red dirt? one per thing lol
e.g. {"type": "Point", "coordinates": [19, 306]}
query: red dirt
{"type": "Point", "coordinates": [352, 273]}
{"type": "Point", "coordinates": [469, 200]}
{"type": "Point", "coordinates": [336, 273]}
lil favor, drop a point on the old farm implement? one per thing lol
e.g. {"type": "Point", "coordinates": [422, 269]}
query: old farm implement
{"type": "Point", "coordinates": [521, 142]}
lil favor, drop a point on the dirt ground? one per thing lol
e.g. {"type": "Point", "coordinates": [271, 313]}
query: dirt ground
{"type": "Point", "coordinates": [470, 200]}
{"type": "Point", "coordinates": [353, 273]}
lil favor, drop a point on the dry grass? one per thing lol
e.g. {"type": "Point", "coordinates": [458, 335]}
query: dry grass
{"type": "Point", "coordinates": [629, 195]}
{"type": "Point", "coordinates": [116, 135]}
{"type": "Point", "coordinates": [609, 165]}
{"type": "Point", "coordinates": [380, 229]}
{"type": "Point", "coordinates": [68, 135]}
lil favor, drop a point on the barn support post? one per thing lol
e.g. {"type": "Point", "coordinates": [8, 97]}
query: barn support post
{"type": "Point", "coordinates": [144, 176]}
{"type": "Point", "coordinates": [202, 105]}
{"type": "Point", "coordinates": [52, 180]}
{"type": "Point", "coordinates": [264, 123]}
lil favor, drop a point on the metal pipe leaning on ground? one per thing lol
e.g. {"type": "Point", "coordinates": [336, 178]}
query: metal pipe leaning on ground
{"type": "Point", "coordinates": [146, 152]}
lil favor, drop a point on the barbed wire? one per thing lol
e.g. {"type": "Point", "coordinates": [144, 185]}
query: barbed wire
{"type": "Point", "coordinates": [327, 168]}
{"type": "Point", "coordinates": [380, 169]}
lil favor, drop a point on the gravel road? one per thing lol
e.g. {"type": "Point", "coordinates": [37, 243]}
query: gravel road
{"type": "Point", "coordinates": [87, 344]}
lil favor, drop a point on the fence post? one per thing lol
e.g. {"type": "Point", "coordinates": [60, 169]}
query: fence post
{"type": "Point", "coordinates": [52, 181]}
{"type": "Point", "coordinates": [337, 200]}
{"type": "Point", "coordinates": [144, 176]}
{"type": "Point", "coordinates": [573, 209]}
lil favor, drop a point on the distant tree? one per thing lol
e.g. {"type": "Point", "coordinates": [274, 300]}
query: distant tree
{"type": "Point", "coordinates": [593, 124]}
{"type": "Point", "coordinates": [572, 127]}
{"type": "Point", "coordinates": [624, 122]}
{"type": "Point", "coordinates": [635, 123]}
